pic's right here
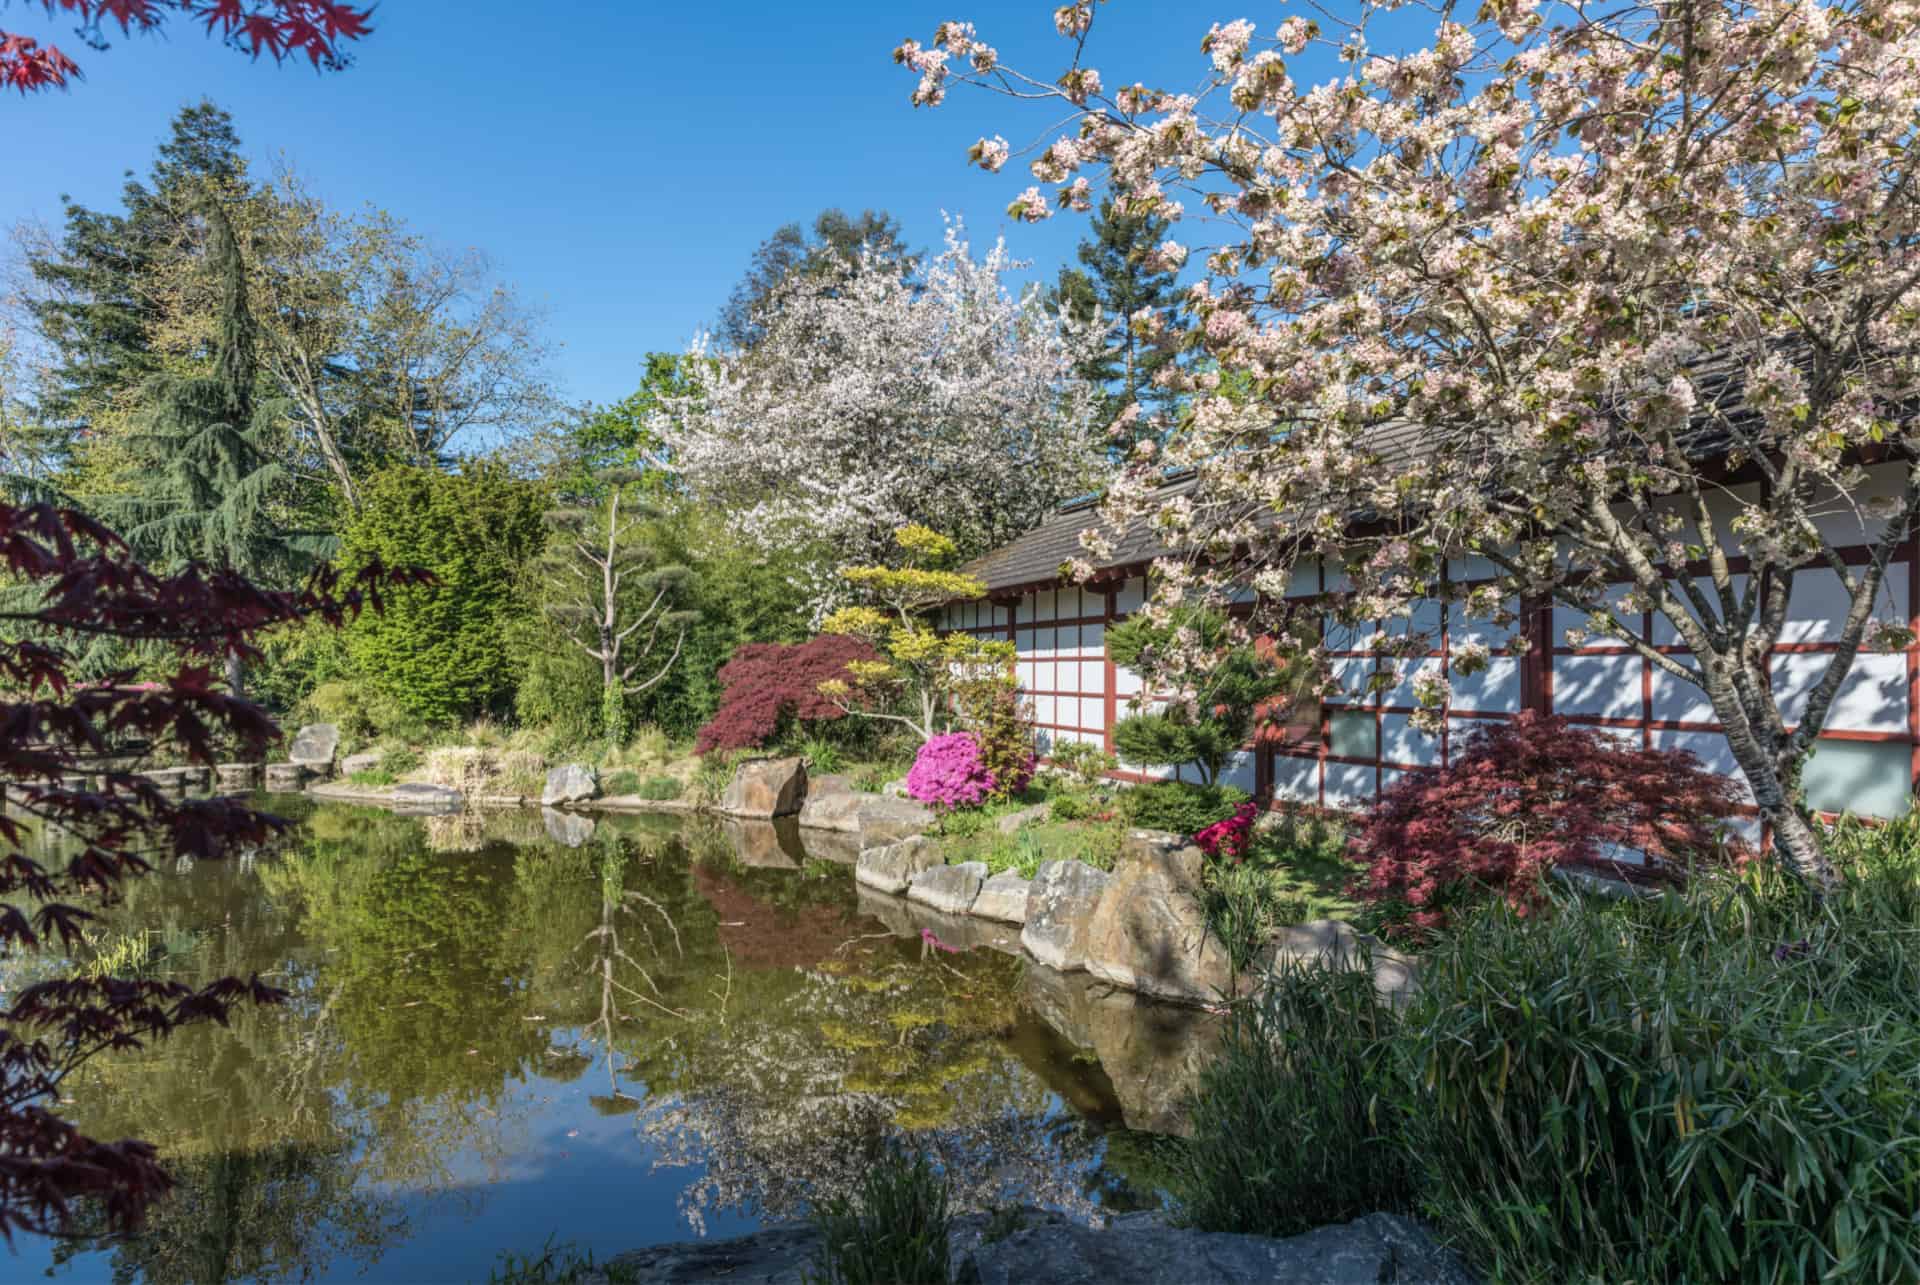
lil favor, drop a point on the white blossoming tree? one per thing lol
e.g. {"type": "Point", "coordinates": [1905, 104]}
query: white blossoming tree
{"type": "Point", "coordinates": [1604, 295]}
{"type": "Point", "coordinates": [875, 402]}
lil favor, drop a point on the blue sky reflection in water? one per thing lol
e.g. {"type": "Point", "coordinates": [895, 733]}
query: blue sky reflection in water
{"type": "Point", "coordinates": [497, 1039]}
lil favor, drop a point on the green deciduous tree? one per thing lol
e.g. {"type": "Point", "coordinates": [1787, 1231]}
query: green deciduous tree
{"type": "Point", "coordinates": [439, 650]}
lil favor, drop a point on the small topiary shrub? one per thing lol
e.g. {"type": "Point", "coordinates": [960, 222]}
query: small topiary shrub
{"type": "Point", "coordinates": [1180, 807]}
{"type": "Point", "coordinates": [1086, 762]}
{"type": "Point", "coordinates": [1519, 798]}
{"type": "Point", "coordinates": [768, 684]}
{"type": "Point", "coordinates": [949, 772]}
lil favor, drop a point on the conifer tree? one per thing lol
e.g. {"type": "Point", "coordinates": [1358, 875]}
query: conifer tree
{"type": "Point", "coordinates": [1122, 277]}
{"type": "Point", "coordinates": [210, 485]}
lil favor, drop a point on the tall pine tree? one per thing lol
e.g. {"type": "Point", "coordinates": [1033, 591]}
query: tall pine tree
{"type": "Point", "coordinates": [1118, 281]}
{"type": "Point", "coordinates": [92, 312]}
{"type": "Point", "coordinates": [209, 482]}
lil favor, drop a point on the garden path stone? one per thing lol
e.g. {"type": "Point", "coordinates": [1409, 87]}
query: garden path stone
{"type": "Point", "coordinates": [569, 783]}
{"type": "Point", "coordinates": [950, 889]}
{"type": "Point", "coordinates": [892, 867]}
{"type": "Point", "coordinates": [766, 788]}
{"type": "Point", "coordinates": [1059, 911]}
{"type": "Point", "coordinates": [1149, 931]}
{"type": "Point", "coordinates": [1004, 897]}
{"type": "Point", "coordinates": [315, 745]}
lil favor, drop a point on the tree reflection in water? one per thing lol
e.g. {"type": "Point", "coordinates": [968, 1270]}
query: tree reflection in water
{"type": "Point", "coordinates": [763, 1034]}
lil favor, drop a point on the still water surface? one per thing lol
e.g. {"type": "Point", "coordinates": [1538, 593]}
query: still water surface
{"type": "Point", "coordinates": [506, 1030]}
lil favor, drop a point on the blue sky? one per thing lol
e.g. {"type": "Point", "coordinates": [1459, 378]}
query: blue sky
{"type": "Point", "coordinates": [620, 165]}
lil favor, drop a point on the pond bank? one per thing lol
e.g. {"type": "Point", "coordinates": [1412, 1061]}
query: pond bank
{"type": "Point", "coordinates": [1134, 1249]}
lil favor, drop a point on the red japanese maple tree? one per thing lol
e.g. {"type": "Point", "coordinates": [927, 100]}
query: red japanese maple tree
{"type": "Point", "coordinates": [764, 683]}
{"type": "Point", "coordinates": [320, 29]}
{"type": "Point", "coordinates": [65, 751]}
{"type": "Point", "coordinates": [1520, 797]}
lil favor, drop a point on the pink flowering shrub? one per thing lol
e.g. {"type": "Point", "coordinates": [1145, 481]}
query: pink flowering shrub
{"type": "Point", "coordinates": [950, 772]}
{"type": "Point", "coordinates": [1229, 840]}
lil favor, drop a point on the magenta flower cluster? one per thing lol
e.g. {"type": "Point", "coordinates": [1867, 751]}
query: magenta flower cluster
{"type": "Point", "coordinates": [949, 773]}
{"type": "Point", "coordinates": [1229, 839]}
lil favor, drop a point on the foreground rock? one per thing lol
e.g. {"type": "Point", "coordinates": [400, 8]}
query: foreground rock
{"type": "Point", "coordinates": [831, 804]}
{"type": "Point", "coordinates": [569, 783]}
{"type": "Point", "coordinates": [1059, 912]}
{"type": "Point", "coordinates": [314, 746]}
{"type": "Point", "coordinates": [1149, 931]}
{"type": "Point", "coordinates": [892, 867]}
{"type": "Point", "coordinates": [1137, 1249]}
{"type": "Point", "coordinates": [949, 888]}
{"type": "Point", "coordinates": [766, 788]}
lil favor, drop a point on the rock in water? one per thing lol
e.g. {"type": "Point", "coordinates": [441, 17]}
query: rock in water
{"type": "Point", "coordinates": [949, 888]}
{"type": "Point", "coordinates": [568, 829]}
{"type": "Point", "coordinates": [1059, 911]}
{"type": "Point", "coordinates": [569, 783]}
{"type": "Point", "coordinates": [283, 777]}
{"type": "Point", "coordinates": [766, 788]}
{"type": "Point", "coordinates": [892, 868]}
{"type": "Point", "coordinates": [888, 820]}
{"type": "Point", "coordinates": [1149, 932]}
{"type": "Point", "coordinates": [417, 798]}
{"type": "Point", "coordinates": [1003, 897]}
{"type": "Point", "coordinates": [315, 745]}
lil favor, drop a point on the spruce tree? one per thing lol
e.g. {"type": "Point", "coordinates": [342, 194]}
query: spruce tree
{"type": "Point", "coordinates": [1118, 282]}
{"type": "Point", "coordinates": [209, 482]}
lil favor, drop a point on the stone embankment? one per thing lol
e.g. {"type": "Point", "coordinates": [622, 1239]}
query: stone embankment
{"type": "Point", "coordinates": [1134, 1249]}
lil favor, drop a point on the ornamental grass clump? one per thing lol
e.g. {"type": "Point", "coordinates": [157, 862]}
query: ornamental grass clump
{"type": "Point", "coordinates": [1716, 1085]}
{"type": "Point", "coordinates": [896, 1231]}
{"type": "Point", "coordinates": [950, 773]}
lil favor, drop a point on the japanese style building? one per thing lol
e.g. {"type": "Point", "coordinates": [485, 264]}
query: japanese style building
{"type": "Point", "coordinates": [1867, 761]}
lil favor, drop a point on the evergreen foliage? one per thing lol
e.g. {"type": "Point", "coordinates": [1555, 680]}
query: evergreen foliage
{"type": "Point", "coordinates": [1217, 716]}
{"type": "Point", "coordinates": [839, 243]}
{"type": "Point", "coordinates": [1119, 279]}
{"type": "Point", "coordinates": [439, 651]}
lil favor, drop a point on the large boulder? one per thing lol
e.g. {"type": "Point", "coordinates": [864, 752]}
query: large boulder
{"type": "Point", "coordinates": [1004, 897]}
{"type": "Point", "coordinates": [949, 888]}
{"type": "Point", "coordinates": [766, 788]}
{"type": "Point", "coordinates": [1149, 933]}
{"type": "Point", "coordinates": [892, 867]}
{"type": "Point", "coordinates": [888, 820]}
{"type": "Point", "coordinates": [1338, 944]}
{"type": "Point", "coordinates": [569, 783]}
{"type": "Point", "coordinates": [1060, 910]}
{"type": "Point", "coordinates": [314, 746]}
{"type": "Point", "coordinates": [832, 804]}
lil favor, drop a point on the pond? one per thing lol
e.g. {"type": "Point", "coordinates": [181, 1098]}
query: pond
{"type": "Point", "coordinates": [506, 1030]}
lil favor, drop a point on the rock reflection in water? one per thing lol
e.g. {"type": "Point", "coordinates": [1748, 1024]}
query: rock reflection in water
{"type": "Point", "coordinates": [719, 990]}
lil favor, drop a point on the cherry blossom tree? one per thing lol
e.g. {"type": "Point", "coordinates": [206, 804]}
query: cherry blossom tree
{"type": "Point", "coordinates": [881, 403]}
{"type": "Point", "coordinates": [1616, 295]}
{"type": "Point", "coordinates": [318, 29]}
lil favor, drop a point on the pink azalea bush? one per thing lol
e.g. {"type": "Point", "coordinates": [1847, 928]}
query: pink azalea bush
{"type": "Point", "coordinates": [1229, 839]}
{"type": "Point", "coordinates": [950, 772]}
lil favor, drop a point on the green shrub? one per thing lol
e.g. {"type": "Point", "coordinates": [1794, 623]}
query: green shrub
{"type": "Point", "coordinates": [372, 776]}
{"type": "Point", "coordinates": [1180, 807]}
{"type": "Point", "coordinates": [713, 776]}
{"type": "Point", "coordinates": [895, 1232]}
{"type": "Point", "coordinates": [1070, 807]}
{"type": "Point", "coordinates": [822, 755]}
{"type": "Point", "coordinates": [1084, 761]}
{"type": "Point", "coordinates": [1292, 1125]}
{"type": "Point", "coordinates": [624, 781]}
{"type": "Point", "coordinates": [661, 788]}
{"type": "Point", "coordinates": [1715, 1085]}
{"type": "Point", "coordinates": [401, 761]}
{"type": "Point", "coordinates": [439, 651]}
